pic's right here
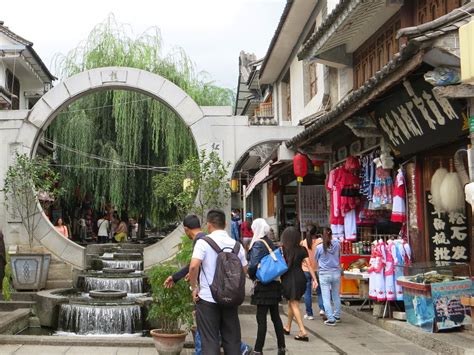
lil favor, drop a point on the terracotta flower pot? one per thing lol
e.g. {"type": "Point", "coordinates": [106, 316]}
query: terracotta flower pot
{"type": "Point", "coordinates": [168, 344]}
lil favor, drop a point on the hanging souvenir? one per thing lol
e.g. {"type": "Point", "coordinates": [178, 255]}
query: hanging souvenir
{"type": "Point", "coordinates": [451, 191]}
{"type": "Point", "coordinates": [436, 181]}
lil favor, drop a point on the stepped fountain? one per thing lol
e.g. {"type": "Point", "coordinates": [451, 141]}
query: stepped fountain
{"type": "Point", "coordinates": [105, 301]}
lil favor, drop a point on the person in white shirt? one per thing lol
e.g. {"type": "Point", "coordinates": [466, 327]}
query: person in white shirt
{"type": "Point", "coordinates": [103, 225]}
{"type": "Point", "coordinates": [213, 319]}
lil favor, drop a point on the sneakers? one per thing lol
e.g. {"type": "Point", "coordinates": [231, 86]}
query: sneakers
{"type": "Point", "coordinates": [322, 313]}
{"type": "Point", "coordinates": [308, 317]}
{"type": "Point", "coordinates": [338, 320]}
{"type": "Point", "coordinates": [331, 323]}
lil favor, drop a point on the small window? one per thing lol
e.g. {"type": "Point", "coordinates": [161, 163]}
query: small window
{"type": "Point", "coordinates": [13, 87]}
{"type": "Point", "coordinates": [313, 80]}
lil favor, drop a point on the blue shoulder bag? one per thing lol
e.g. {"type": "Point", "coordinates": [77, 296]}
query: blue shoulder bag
{"type": "Point", "coordinates": [271, 266]}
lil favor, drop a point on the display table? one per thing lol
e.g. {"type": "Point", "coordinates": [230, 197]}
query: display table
{"type": "Point", "coordinates": [350, 286]}
{"type": "Point", "coordinates": [362, 279]}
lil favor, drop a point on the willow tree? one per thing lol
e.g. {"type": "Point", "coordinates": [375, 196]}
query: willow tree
{"type": "Point", "coordinates": [108, 141]}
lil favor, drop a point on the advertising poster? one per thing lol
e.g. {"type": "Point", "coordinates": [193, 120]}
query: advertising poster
{"type": "Point", "coordinates": [449, 312]}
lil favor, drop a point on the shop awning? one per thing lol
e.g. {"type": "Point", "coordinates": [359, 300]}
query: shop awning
{"type": "Point", "coordinates": [258, 178]}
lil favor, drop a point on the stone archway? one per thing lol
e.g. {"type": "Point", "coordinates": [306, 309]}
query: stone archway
{"type": "Point", "coordinates": [70, 90]}
{"type": "Point", "coordinates": [208, 125]}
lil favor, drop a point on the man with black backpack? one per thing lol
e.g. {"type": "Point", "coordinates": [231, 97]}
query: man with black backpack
{"type": "Point", "coordinates": [221, 286]}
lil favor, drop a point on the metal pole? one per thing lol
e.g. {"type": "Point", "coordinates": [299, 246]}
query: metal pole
{"type": "Point", "coordinates": [244, 210]}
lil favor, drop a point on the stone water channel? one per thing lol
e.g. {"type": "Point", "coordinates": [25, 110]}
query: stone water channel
{"type": "Point", "coordinates": [108, 298]}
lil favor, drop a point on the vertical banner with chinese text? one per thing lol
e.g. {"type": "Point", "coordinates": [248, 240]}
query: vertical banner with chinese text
{"type": "Point", "coordinates": [448, 234]}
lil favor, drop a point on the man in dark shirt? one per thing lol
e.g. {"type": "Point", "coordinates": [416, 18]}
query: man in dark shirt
{"type": "Point", "coordinates": [192, 228]}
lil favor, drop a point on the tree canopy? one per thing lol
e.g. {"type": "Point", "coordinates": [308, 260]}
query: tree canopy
{"type": "Point", "coordinates": [107, 142]}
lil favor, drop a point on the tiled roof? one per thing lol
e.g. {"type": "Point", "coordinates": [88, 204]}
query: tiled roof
{"type": "Point", "coordinates": [7, 32]}
{"type": "Point", "coordinates": [416, 35]}
{"type": "Point", "coordinates": [440, 26]}
{"type": "Point", "coordinates": [286, 11]}
{"type": "Point", "coordinates": [327, 23]}
{"type": "Point", "coordinates": [400, 59]}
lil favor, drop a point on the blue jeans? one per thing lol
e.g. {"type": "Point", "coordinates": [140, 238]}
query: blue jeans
{"type": "Point", "coordinates": [330, 287]}
{"type": "Point", "coordinates": [244, 348]}
{"type": "Point", "coordinates": [308, 295]}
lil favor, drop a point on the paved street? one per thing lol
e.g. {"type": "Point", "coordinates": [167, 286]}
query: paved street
{"type": "Point", "coordinates": [352, 336]}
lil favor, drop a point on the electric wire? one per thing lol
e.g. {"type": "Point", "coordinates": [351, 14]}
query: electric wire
{"type": "Point", "coordinates": [119, 163]}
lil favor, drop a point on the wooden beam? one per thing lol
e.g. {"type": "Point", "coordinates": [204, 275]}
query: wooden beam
{"type": "Point", "coordinates": [455, 91]}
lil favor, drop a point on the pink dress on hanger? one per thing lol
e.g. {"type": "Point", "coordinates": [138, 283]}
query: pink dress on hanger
{"type": "Point", "coordinates": [389, 273]}
{"type": "Point", "coordinates": [399, 207]}
{"type": "Point", "coordinates": [376, 273]}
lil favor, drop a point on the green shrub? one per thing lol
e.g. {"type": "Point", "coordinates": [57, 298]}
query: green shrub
{"type": "Point", "coordinates": [171, 307]}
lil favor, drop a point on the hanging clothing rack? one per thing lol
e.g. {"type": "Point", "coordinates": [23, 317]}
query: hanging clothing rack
{"type": "Point", "coordinates": [362, 152]}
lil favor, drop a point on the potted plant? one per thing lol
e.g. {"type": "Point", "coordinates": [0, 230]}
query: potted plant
{"type": "Point", "coordinates": [26, 183]}
{"type": "Point", "coordinates": [172, 308]}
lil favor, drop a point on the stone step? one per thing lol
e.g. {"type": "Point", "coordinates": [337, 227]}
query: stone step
{"type": "Point", "coordinates": [51, 284]}
{"type": "Point", "coordinates": [8, 306]}
{"type": "Point", "coordinates": [14, 321]}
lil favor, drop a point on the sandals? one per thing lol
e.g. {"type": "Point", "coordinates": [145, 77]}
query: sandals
{"type": "Point", "coordinates": [287, 332]}
{"type": "Point", "coordinates": [302, 338]}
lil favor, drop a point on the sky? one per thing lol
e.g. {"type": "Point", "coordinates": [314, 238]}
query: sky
{"type": "Point", "coordinates": [212, 32]}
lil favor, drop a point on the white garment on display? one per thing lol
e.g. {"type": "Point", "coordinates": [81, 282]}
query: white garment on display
{"type": "Point", "coordinates": [350, 225]}
{"type": "Point", "coordinates": [337, 231]}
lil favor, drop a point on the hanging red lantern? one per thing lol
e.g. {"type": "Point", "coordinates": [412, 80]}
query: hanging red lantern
{"type": "Point", "coordinates": [300, 166]}
{"type": "Point", "coordinates": [276, 186]}
{"type": "Point", "coordinates": [317, 164]}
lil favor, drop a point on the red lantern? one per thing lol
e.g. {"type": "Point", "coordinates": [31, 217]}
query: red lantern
{"type": "Point", "coordinates": [300, 166]}
{"type": "Point", "coordinates": [317, 164]}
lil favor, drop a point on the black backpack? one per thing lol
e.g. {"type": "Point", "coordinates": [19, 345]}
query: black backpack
{"type": "Point", "coordinates": [228, 286]}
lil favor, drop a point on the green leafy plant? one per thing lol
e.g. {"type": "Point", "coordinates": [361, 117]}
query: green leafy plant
{"type": "Point", "coordinates": [25, 180]}
{"type": "Point", "coordinates": [207, 184]}
{"type": "Point", "coordinates": [183, 257]}
{"type": "Point", "coordinates": [171, 307]}
{"type": "Point", "coordinates": [6, 286]}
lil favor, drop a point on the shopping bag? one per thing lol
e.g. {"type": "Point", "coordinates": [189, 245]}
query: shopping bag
{"type": "Point", "coordinates": [271, 266]}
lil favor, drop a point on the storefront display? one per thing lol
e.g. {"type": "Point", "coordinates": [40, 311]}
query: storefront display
{"type": "Point", "coordinates": [433, 293]}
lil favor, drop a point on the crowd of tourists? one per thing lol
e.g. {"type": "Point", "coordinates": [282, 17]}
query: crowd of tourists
{"type": "Point", "coordinates": [109, 228]}
{"type": "Point", "coordinates": [291, 270]}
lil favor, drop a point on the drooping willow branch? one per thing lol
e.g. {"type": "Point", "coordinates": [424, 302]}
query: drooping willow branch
{"type": "Point", "coordinates": [124, 125]}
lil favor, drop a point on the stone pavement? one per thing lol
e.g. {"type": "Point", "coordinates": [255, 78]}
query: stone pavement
{"type": "Point", "coordinates": [352, 336]}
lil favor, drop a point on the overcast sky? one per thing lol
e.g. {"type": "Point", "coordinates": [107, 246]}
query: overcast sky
{"type": "Point", "coordinates": [212, 32]}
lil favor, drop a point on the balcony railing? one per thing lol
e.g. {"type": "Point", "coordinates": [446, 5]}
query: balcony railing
{"type": "Point", "coordinates": [263, 115]}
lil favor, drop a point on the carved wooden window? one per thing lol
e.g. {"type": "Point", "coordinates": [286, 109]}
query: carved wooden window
{"type": "Point", "coordinates": [429, 10]}
{"type": "Point", "coordinates": [377, 51]}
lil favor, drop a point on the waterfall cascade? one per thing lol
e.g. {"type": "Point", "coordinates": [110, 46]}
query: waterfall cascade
{"type": "Point", "coordinates": [84, 319]}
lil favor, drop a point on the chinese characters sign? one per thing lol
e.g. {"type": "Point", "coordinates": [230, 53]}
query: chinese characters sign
{"type": "Point", "coordinates": [414, 118]}
{"type": "Point", "coordinates": [313, 206]}
{"type": "Point", "coordinates": [448, 234]}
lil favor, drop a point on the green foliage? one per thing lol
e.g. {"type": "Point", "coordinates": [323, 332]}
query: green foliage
{"type": "Point", "coordinates": [208, 188]}
{"type": "Point", "coordinates": [24, 182]}
{"type": "Point", "coordinates": [183, 257]}
{"type": "Point", "coordinates": [123, 126]}
{"type": "Point", "coordinates": [6, 286]}
{"type": "Point", "coordinates": [172, 307]}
